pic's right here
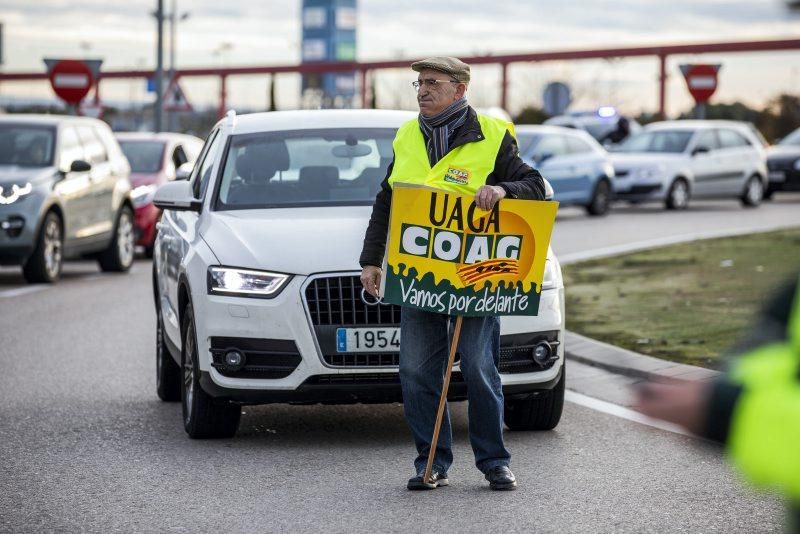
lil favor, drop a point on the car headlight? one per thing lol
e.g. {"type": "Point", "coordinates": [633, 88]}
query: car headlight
{"type": "Point", "coordinates": [245, 282]}
{"type": "Point", "coordinates": [649, 173]}
{"type": "Point", "coordinates": [143, 195]}
{"type": "Point", "coordinates": [552, 276]}
{"type": "Point", "coordinates": [797, 164]}
{"type": "Point", "coordinates": [14, 193]}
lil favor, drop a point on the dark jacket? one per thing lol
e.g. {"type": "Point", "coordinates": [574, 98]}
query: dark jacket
{"type": "Point", "coordinates": [510, 172]}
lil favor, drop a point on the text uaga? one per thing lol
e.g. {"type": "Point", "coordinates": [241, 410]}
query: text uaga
{"type": "Point", "coordinates": [456, 235]}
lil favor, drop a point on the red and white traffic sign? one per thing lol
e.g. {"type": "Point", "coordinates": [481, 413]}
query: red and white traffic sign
{"type": "Point", "coordinates": [72, 79]}
{"type": "Point", "coordinates": [701, 79]}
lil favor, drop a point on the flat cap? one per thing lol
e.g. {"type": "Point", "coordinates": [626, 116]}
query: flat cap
{"type": "Point", "coordinates": [449, 65]}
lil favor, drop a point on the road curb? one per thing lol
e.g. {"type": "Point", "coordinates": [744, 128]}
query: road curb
{"type": "Point", "coordinates": [629, 363]}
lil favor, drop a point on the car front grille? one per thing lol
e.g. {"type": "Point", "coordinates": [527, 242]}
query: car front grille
{"type": "Point", "coordinates": [336, 300]}
{"type": "Point", "coordinates": [264, 358]}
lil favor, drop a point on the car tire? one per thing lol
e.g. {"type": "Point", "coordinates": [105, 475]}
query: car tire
{"type": "Point", "coordinates": [118, 257]}
{"type": "Point", "coordinates": [768, 194]}
{"type": "Point", "coordinates": [204, 417]}
{"type": "Point", "coordinates": [44, 264]}
{"type": "Point", "coordinates": [601, 199]}
{"type": "Point", "coordinates": [168, 373]}
{"type": "Point", "coordinates": [753, 192]}
{"type": "Point", "coordinates": [542, 412]}
{"type": "Point", "coordinates": [148, 251]}
{"type": "Point", "coordinates": [678, 195]}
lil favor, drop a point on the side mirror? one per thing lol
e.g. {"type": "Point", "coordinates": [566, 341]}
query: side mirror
{"type": "Point", "coordinates": [80, 165]}
{"type": "Point", "coordinates": [176, 196]}
{"type": "Point", "coordinates": [184, 171]}
{"type": "Point", "coordinates": [700, 150]}
{"type": "Point", "coordinates": [544, 157]}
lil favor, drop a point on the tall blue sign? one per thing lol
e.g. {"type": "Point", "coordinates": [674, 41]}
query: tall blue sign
{"type": "Point", "coordinates": [329, 34]}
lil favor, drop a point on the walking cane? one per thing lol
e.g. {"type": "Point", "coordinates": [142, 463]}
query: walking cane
{"type": "Point", "coordinates": [442, 400]}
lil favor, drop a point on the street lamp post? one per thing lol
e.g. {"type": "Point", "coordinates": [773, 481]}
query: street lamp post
{"type": "Point", "coordinates": [173, 21]}
{"type": "Point", "coordinates": [159, 74]}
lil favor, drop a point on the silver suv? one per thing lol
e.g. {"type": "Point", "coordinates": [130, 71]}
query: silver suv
{"type": "Point", "coordinates": [64, 192]}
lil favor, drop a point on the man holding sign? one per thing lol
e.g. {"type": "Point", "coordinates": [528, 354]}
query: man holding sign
{"type": "Point", "coordinates": [451, 148]}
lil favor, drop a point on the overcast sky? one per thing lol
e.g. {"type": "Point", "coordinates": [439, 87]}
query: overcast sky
{"type": "Point", "coordinates": [122, 32]}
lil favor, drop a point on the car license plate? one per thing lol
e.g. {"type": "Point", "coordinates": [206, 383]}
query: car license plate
{"type": "Point", "coordinates": [777, 176]}
{"type": "Point", "coordinates": [367, 339]}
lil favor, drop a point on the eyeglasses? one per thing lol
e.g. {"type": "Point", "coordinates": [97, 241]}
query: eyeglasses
{"type": "Point", "coordinates": [430, 83]}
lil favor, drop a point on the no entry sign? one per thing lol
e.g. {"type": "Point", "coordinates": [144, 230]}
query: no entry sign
{"type": "Point", "coordinates": [72, 78]}
{"type": "Point", "coordinates": [701, 79]}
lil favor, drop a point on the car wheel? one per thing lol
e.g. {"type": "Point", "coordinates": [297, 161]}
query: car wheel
{"type": "Point", "coordinates": [118, 256]}
{"type": "Point", "coordinates": [148, 251]}
{"type": "Point", "coordinates": [44, 265]}
{"type": "Point", "coordinates": [542, 412]}
{"type": "Point", "coordinates": [678, 195]}
{"type": "Point", "coordinates": [753, 192]}
{"type": "Point", "coordinates": [769, 193]}
{"type": "Point", "coordinates": [203, 416]}
{"type": "Point", "coordinates": [601, 199]}
{"type": "Point", "coordinates": [168, 373]}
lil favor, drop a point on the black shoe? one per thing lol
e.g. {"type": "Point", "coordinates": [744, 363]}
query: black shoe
{"type": "Point", "coordinates": [501, 478]}
{"type": "Point", "coordinates": [419, 483]}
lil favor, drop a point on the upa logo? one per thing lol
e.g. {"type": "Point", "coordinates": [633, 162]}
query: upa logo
{"type": "Point", "coordinates": [457, 176]}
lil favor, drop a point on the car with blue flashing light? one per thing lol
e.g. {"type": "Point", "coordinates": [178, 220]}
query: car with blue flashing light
{"type": "Point", "coordinates": [64, 193]}
{"type": "Point", "coordinates": [605, 124]}
{"type": "Point", "coordinates": [256, 279]}
{"type": "Point", "coordinates": [576, 166]}
{"type": "Point", "coordinates": [674, 161]}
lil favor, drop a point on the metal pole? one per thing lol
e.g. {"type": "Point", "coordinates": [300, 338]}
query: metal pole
{"type": "Point", "coordinates": [504, 86]}
{"type": "Point", "coordinates": [159, 77]}
{"type": "Point", "coordinates": [662, 87]}
{"type": "Point", "coordinates": [172, 20]}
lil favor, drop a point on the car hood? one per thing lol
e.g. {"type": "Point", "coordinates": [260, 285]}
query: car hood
{"type": "Point", "coordinates": [782, 152]}
{"type": "Point", "coordinates": [11, 174]}
{"type": "Point", "coordinates": [289, 240]}
{"type": "Point", "coordinates": [630, 160]}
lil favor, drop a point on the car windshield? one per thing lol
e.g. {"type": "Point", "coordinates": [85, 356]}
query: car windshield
{"type": "Point", "coordinates": [527, 141]}
{"type": "Point", "coordinates": [668, 141]}
{"type": "Point", "coordinates": [793, 139]}
{"type": "Point", "coordinates": [304, 168]}
{"type": "Point", "coordinates": [144, 156]}
{"type": "Point", "coordinates": [25, 145]}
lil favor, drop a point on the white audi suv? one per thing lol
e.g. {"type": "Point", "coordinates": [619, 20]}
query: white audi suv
{"type": "Point", "coordinates": [256, 279]}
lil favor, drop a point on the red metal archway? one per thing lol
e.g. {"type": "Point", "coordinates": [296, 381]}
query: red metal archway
{"type": "Point", "coordinates": [660, 52]}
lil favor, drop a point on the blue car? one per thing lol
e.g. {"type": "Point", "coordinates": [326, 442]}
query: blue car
{"type": "Point", "coordinates": [577, 167]}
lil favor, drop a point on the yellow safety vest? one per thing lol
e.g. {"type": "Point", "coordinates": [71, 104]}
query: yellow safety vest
{"type": "Point", "coordinates": [764, 438]}
{"type": "Point", "coordinates": [462, 170]}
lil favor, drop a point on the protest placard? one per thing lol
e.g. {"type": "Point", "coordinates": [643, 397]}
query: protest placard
{"type": "Point", "coordinates": [446, 255]}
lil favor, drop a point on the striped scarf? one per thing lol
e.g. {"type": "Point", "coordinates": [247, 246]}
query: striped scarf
{"type": "Point", "coordinates": [439, 128]}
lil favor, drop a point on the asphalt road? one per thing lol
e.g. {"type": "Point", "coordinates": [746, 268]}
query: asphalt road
{"type": "Point", "coordinates": [86, 445]}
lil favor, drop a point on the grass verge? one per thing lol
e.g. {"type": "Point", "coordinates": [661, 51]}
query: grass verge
{"type": "Point", "coordinates": [686, 303]}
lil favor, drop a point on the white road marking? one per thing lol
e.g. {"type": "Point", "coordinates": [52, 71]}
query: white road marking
{"type": "Point", "coordinates": [624, 413]}
{"type": "Point", "coordinates": [20, 291]}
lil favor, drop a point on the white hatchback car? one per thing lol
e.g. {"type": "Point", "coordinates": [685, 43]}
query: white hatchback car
{"type": "Point", "coordinates": [256, 279]}
{"type": "Point", "coordinates": [673, 161]}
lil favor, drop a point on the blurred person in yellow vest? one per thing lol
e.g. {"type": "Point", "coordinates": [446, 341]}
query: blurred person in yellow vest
{"type": "Point", "coordinates": [754, 408]}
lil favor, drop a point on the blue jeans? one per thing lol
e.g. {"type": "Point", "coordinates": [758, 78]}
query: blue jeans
{"type": "Point", "coordinates": [424, 348]}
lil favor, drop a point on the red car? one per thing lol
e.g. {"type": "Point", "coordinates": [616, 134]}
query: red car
{"type": "Point", "coordinates": [155, 159]}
